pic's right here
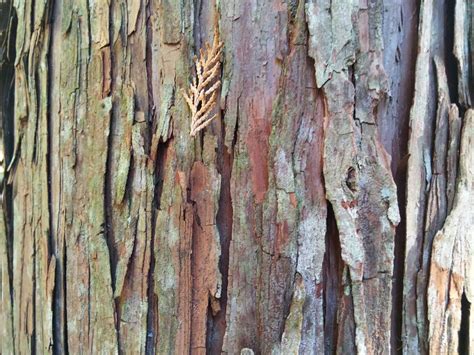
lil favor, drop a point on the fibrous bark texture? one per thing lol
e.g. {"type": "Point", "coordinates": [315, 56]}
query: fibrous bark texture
{"type": "Point", "coordinates": [325, 208]}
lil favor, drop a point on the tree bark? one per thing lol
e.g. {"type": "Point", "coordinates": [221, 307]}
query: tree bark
{"type": "Point", "coordinates": [327, 208]}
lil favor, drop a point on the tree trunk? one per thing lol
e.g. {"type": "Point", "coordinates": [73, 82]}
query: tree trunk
{"type": "Point", "coordinates": [327, 208]}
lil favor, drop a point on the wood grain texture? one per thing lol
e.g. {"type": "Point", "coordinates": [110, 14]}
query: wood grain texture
{"type": "Point", "coordinates": [317, 214]}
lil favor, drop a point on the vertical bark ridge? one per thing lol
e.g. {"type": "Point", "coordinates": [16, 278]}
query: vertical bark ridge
{"type": "Point", "coordinates": [132, 173]}
{"type": "Point", "coordinates": [293, 239]}
{"type": "Point", "coordinates": [256, 37]}
{"type": "Point", "coordinates": [170, 54]}
{"type": "Point", "coordinates": [81, 124]}
{"type": "Point", "coordinates": [452, 158]}
{"type": "Point", "coordinates": [33, 264]}
{"type": "Point", "coordinates": [418, 173]}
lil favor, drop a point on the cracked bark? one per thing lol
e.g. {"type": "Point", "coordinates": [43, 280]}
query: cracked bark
{"type": "Point", "coordinates": [318, 213]}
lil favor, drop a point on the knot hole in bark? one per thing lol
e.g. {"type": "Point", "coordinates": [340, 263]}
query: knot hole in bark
{"type": "Point", "coordinates": [351, 179]}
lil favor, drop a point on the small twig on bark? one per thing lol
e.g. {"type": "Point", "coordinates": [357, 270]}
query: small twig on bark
{"type": "Point", "coordinates": [203, 90]}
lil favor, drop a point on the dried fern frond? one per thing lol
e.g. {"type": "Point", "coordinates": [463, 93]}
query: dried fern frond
{"type": "Point", "coordinates": [202, 96]}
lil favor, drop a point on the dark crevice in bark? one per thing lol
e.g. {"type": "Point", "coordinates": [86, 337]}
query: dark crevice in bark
{"type": "Point", "coordinates": [215, 337]}
{"type": "Point", "coordinates": [399, 170]}
{"type": "Point", "coordinates": [108, 230]}
{"type": "Point", "coordinates": [89, 300]}
{"type": "Point", "coordinates": [149, 75]}
{"type": "Point", "coordinates": [399, 262]}
{"type": "Point", "coordinates": [128, 193]}
{"type": "Point", "coordinates": [7, 79]}
{"type": "Point", "coordinates": [332, 280]}
{"type": "Point", "coordinates": [197, 36]}
{"type": "Point", "coordinates": [66, 344]}
{"type": "Point", "coordinates": [224, 219]}
{"type": "Point", "coordinates": [113, 255]}
{"type": "Point", "coordinates": [59, 321]}
{"type": "Point", "coordinates": [345, 343]}
{"type": "Point", "coordinates": [211, 330]}
{"type": "Point", "coordinates": [55, 309]}
{"type": "Point", "coordinates": [129, 268]}
{"type": "Point", "coordinates": [464, 330]}
{"type": "Point", "coordinates": [449, 58]}
{"type": "Point", "coordinates": [196, 225]}
{"type": "Point", "coordinates": [34, 306]}
{"type": "Point", "coordinates": [159, 174]}
{"type": "Point", "coordinates": [152, 327]}
{"type": "Point", "coordinates": [108, 195]}
{"type": "Point", "coordinates": [37, 118]}
{"type": "Point", "coordinates": [152, 299]}
{"type": "Point", "coordinates": [470, 18]}
{"type": "Point", "coordinates": [152, 320]}
{"type": "Point", "coordinates": [8, 23]}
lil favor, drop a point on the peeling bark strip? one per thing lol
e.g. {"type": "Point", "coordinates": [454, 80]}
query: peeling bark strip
{"type": "Point", "coordinates": [452, 262]}
{"type": "Point", "coordinates": [33, 264]}
{"type": "Point", "coordinates": [80, 123]}
{"type": "Point", "coordinates": [130, 236]}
